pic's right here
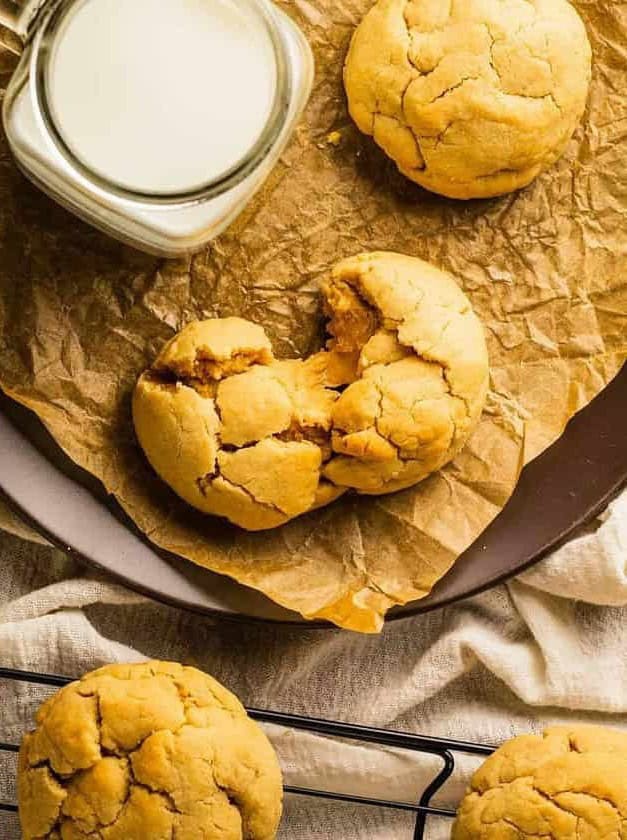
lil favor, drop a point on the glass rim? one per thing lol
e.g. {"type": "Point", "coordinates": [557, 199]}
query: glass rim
{"type": "Point", "coordinates": [42, 44]}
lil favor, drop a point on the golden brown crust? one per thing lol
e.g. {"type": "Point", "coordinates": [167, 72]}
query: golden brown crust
{"type": "Point", "coordinates": [569, 783]}
{"type": "Point", "coordinates": [149, 750]}
{"type": "Point", "coordinates": [471, 99]}
{"type": "Point", "coordinates": [394, 396]}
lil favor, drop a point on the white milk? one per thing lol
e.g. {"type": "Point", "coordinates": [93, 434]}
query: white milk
{"type": "Point", "coordinates": [161, 96]}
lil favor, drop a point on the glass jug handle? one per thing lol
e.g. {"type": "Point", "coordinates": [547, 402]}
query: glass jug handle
{"type": "Point", "coordinates": [15, 15]}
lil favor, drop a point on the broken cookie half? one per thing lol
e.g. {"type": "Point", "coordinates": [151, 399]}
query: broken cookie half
{"type": "Point", "coordinates": [259, 441]}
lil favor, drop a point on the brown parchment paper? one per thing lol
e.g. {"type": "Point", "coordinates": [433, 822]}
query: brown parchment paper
{"type": "Point", "coordinates": [546, 269]}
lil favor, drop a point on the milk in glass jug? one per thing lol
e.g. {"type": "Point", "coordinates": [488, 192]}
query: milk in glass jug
{"type": "Point", "coordinates": [154, 120]}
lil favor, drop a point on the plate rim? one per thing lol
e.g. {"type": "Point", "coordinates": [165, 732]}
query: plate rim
{"type": "Point", "coordinates": [410, 610]}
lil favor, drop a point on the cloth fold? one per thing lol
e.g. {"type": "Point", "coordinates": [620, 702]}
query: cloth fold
{"type": "Point", "coordinates": [543, 649]}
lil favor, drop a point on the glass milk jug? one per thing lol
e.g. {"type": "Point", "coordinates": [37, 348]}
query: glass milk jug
{"type": "Point", "coordinates": [154, 120]}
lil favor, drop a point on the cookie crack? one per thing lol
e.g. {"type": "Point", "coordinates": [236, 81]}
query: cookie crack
{"type": "Point", "coordinates": [99, 824]}
{"type": "Point", "coordinates": [493, 42]}
{"type": "Point", "coordinates": [519, 830]}
{"type": "Point", "coordinates": [313, 433]}
{"type": "Point", "coordinates": [233, 798]}
{"type": "Point", "coordinates": [165, 795]}
{"type": "Point", "coordinates": [61, 782]}
{"type": "Point", "coordinates": [251, 496]}
{"type": "Point", "coordinates": [595, 797]}
{"type": "Point", "coordinates": [452, 88]}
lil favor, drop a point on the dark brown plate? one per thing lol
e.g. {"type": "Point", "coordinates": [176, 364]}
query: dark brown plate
{"type": "Point", "coordinates": [559, 491]}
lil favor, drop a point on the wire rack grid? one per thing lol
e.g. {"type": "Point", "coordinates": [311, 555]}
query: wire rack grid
{"type": "Point", "coordinates": [443, 748]}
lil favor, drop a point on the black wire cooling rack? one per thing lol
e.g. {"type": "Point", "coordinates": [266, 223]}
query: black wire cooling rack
{"type": "Point", "coordinates": [444, 748]}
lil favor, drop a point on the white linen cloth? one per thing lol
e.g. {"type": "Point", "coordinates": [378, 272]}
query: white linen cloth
{"type": "Point", "coordinates": [549, 647]}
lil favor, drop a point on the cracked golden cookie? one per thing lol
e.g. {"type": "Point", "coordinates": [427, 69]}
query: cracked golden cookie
{"type": "Point", "coordinates": [394, 397]}
{"type": "Point", "coordinates": [568, 784]}
{"type": "Point", "coordinates": [470, 98]}
{"type": "Point", "coordinates": [154, 750]}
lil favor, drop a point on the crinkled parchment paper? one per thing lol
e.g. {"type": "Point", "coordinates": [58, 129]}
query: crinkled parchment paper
{"type": "Point", "coordinates": [546, 269]}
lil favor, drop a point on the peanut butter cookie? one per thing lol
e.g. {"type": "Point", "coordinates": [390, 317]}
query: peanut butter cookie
{"type": "Point", "coordinates": [470, 98]}
{"type": "Point", "coordinates": [154, 750]}
{"type": "Point", "coordinates": [396, 394]}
